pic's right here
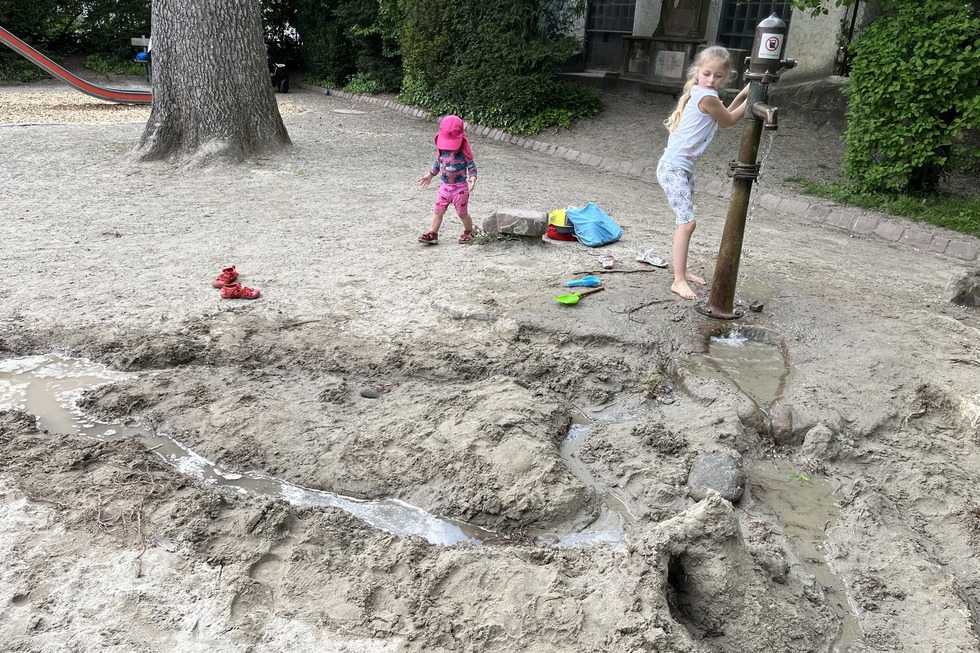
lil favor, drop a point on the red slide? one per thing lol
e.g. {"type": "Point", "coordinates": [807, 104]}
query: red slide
{"type": "Point", "coordinates": [101, 92]}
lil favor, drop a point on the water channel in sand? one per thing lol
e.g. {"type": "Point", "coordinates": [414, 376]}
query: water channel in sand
{"type": "Point", "coordinates": [49, 387]}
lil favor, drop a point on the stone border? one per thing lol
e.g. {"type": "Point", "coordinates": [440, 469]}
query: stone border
{"type": "Point", "coordinates": [856, 221]}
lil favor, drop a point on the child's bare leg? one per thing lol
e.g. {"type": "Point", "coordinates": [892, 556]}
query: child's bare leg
{"type": "Point", "coordinates": [467, 221]}
{"type": "Point", "coordinates": [436, 222]}
{"type": "Point", "coordinates": [682, 240]}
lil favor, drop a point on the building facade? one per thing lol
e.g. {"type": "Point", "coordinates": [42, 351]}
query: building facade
{"type": "Point", "coordinates": [650, 43]}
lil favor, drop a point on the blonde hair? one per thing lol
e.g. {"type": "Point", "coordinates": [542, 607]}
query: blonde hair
{"type": "Point", "coordinates": [712, 53]}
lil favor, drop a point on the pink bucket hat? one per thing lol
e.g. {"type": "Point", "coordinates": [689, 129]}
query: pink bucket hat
{"type": "Point", "coordinates": [451, 134]}
{"type": "Point", "coordinates": [452, 137]}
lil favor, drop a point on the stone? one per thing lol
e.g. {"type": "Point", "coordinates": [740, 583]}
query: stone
{"type": "Point", "coordinates": [964, 289]}
{"type": "Point", "coordinates": [518, 222]}
{"type": "Point", "coordinates": [751, 417]}
{"type": "Point", "coordinates": [781, 424]}
{"type": "Point", "coordinates": [718, 471]}
{"type": "Point", "coordinates": [821, 444]}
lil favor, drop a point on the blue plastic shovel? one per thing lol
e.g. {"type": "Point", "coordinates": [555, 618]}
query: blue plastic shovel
{"type": "Point", "coordinates": [588, 282]}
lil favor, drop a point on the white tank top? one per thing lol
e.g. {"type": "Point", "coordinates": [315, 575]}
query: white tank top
{"type": "Point", "coordinates": [693, 133]}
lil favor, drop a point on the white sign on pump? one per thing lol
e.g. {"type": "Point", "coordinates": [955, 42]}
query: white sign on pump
{"type": "Point", "coordinates": [770, 46]}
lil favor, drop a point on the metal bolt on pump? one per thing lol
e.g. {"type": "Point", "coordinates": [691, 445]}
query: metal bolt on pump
{"type": "Point", "coordinates": [764, 67]}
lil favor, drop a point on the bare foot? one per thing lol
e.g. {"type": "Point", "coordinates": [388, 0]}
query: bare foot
{"type": "Point", "coordinates": [681, 288]}
{"type": "Point", "coordinates": [693, 278]}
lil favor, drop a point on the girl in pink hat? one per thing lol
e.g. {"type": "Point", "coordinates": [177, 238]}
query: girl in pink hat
{"type": "Point", "coordinates": [454, 163]}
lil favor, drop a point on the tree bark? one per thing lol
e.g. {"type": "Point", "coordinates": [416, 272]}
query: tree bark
{"type": "Point", "coordinates": [212, 95]}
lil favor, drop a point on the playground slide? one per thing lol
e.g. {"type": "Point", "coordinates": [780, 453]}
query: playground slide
{"type": "Point", "coordinates": [101, 92]}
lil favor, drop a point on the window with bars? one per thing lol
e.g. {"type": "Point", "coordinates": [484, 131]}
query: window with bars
{"type": "Point", "coordinates": [739, 18]}
{"type": "Point", "coordinates": [606, 24]}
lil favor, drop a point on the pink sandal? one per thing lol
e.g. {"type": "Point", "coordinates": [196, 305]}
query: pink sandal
{"type": "Point", "coordinates": [238, 291]}
{"type": "Point", "coordinates": [466, 238]}
{"type": "Point", "coordinates": [429, 238]}
{"type": "Point", "coordinates": [228, 275]}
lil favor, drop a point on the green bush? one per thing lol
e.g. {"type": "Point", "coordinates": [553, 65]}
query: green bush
{"type": "Point", "coordinates": [112, 65]}
{"type": "Point", "coordinates": [344, 38]}
{"type": "Point", "coordinates": [13, 68]}
{"type": "Point", "coordinates": [495, 63]}
{"type": "Point", "coordinates": [914, 91]}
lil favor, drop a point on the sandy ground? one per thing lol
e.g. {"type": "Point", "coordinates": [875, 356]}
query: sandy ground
{"type": "Point", "coordinates": [474, 376]}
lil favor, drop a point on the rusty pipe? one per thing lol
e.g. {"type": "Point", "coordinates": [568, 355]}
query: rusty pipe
{"type": "Point", "coordinates": [767, 114]}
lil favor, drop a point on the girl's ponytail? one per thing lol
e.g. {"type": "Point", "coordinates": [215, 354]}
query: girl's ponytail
{"type": "Point", "coordinates": [713, 52]}
{"type": "Point", "coordinates": [674, 118]}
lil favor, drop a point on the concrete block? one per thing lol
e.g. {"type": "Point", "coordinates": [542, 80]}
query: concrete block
{"type": "Point", "coordinates": [519, 222]}
{"type": "Point", "coordinates": [818, 213]}
{"type": "Point", "coordinates": [793, 207]}
{"type": "Point", "coordinates": [889, 231]}
{"type": "Point", "coordinates": [842, 219]}
{"type": "Point", "coordinates": [768, 201]}
{"type": "Point", "coordinates": [864, 225]}
{"type": "Point", "coordinates": [963, 250]}
{"type": "Point", "coordinates": [917, 238]}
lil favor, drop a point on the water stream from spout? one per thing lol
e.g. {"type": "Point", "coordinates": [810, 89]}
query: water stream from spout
{"type": "Point", "coordinates": [764, 152]}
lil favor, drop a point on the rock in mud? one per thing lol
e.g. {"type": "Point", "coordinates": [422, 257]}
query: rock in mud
{"type": "Point", "coordinates": [721, 472]}
{"type": "Point", "coordinates": [821, 444]}
{"type": "Point", "coordinates": [964, 289]}
{"type": "Point", "coordinates": [781, 423]}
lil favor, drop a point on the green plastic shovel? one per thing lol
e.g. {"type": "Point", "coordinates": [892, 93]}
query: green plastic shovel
{"type": "Point", "coordinates": [572, 298]}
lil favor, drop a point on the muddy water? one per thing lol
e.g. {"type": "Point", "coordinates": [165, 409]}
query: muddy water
{"type": "Point", "coordinates": [755, 366]}
{"type": "Point", "coordinates": [806, 507]}
{"type": "Point", "coordinates": [49, 388]}
{"type": "Point", "coordinates": [614, 512]}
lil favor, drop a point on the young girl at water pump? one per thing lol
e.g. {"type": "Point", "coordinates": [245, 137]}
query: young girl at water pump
{"type": "Point", "coordinates": [692, 125]}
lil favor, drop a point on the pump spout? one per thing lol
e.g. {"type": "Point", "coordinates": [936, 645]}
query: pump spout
{"type": "Point", "coordinates": [767, 114]}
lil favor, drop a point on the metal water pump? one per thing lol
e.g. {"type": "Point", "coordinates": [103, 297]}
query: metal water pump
{"type": "Point", "coordinates": [764, 67]}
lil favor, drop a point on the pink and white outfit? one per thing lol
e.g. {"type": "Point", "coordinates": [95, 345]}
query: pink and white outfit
{"type": "Point", "coordinates": [454, 164]}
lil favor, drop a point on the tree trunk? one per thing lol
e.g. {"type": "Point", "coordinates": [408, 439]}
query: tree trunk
{"type": "Point", "coordinates": [212, 95]}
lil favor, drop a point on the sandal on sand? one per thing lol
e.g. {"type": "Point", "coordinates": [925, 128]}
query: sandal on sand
{"type": "Point", "coordinates": [429, 238]}
{"type": "Point", "coordinates": [607, 260]}
{"type": "Point", "coordinates": [647, 256]}
{"type": "Point", "coordinates": [466, 238]}
{"type": "Point", "coordinates": [228, 275]}
{"type": "Point", "coordinates": [238, 291]}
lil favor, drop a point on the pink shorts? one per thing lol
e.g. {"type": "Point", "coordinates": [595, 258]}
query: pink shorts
{"type": "Point", "coordinates": [456, 194]}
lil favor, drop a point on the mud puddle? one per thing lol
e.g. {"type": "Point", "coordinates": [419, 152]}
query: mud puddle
{"type": "Point", "coordinates": [614, 511]}
{"type": "Point", "coordinates": [49, 388]}
{"type": "Point", "coordinates": [806, 507]}
{"type": "Point", "coordinates": [752, 360]}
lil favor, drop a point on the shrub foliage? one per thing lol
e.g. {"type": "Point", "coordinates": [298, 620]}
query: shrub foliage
{"type": "Point", "coordinates": [344, 40]}
{"type": "Point", "coordinates": [495, 63]}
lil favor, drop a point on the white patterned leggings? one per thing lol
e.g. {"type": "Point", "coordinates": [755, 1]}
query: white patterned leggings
{"type": "Point", "coordinates": [678, 184]}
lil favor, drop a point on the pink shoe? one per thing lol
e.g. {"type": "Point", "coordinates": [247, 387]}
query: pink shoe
{"type": "Point", "coordinates": [228, 275]}
{"type": "Point", "coordinates": [238, 291]}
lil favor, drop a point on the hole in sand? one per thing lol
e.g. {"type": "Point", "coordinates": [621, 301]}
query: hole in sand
{"type": "Point", "coordinates": [680, 596]}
